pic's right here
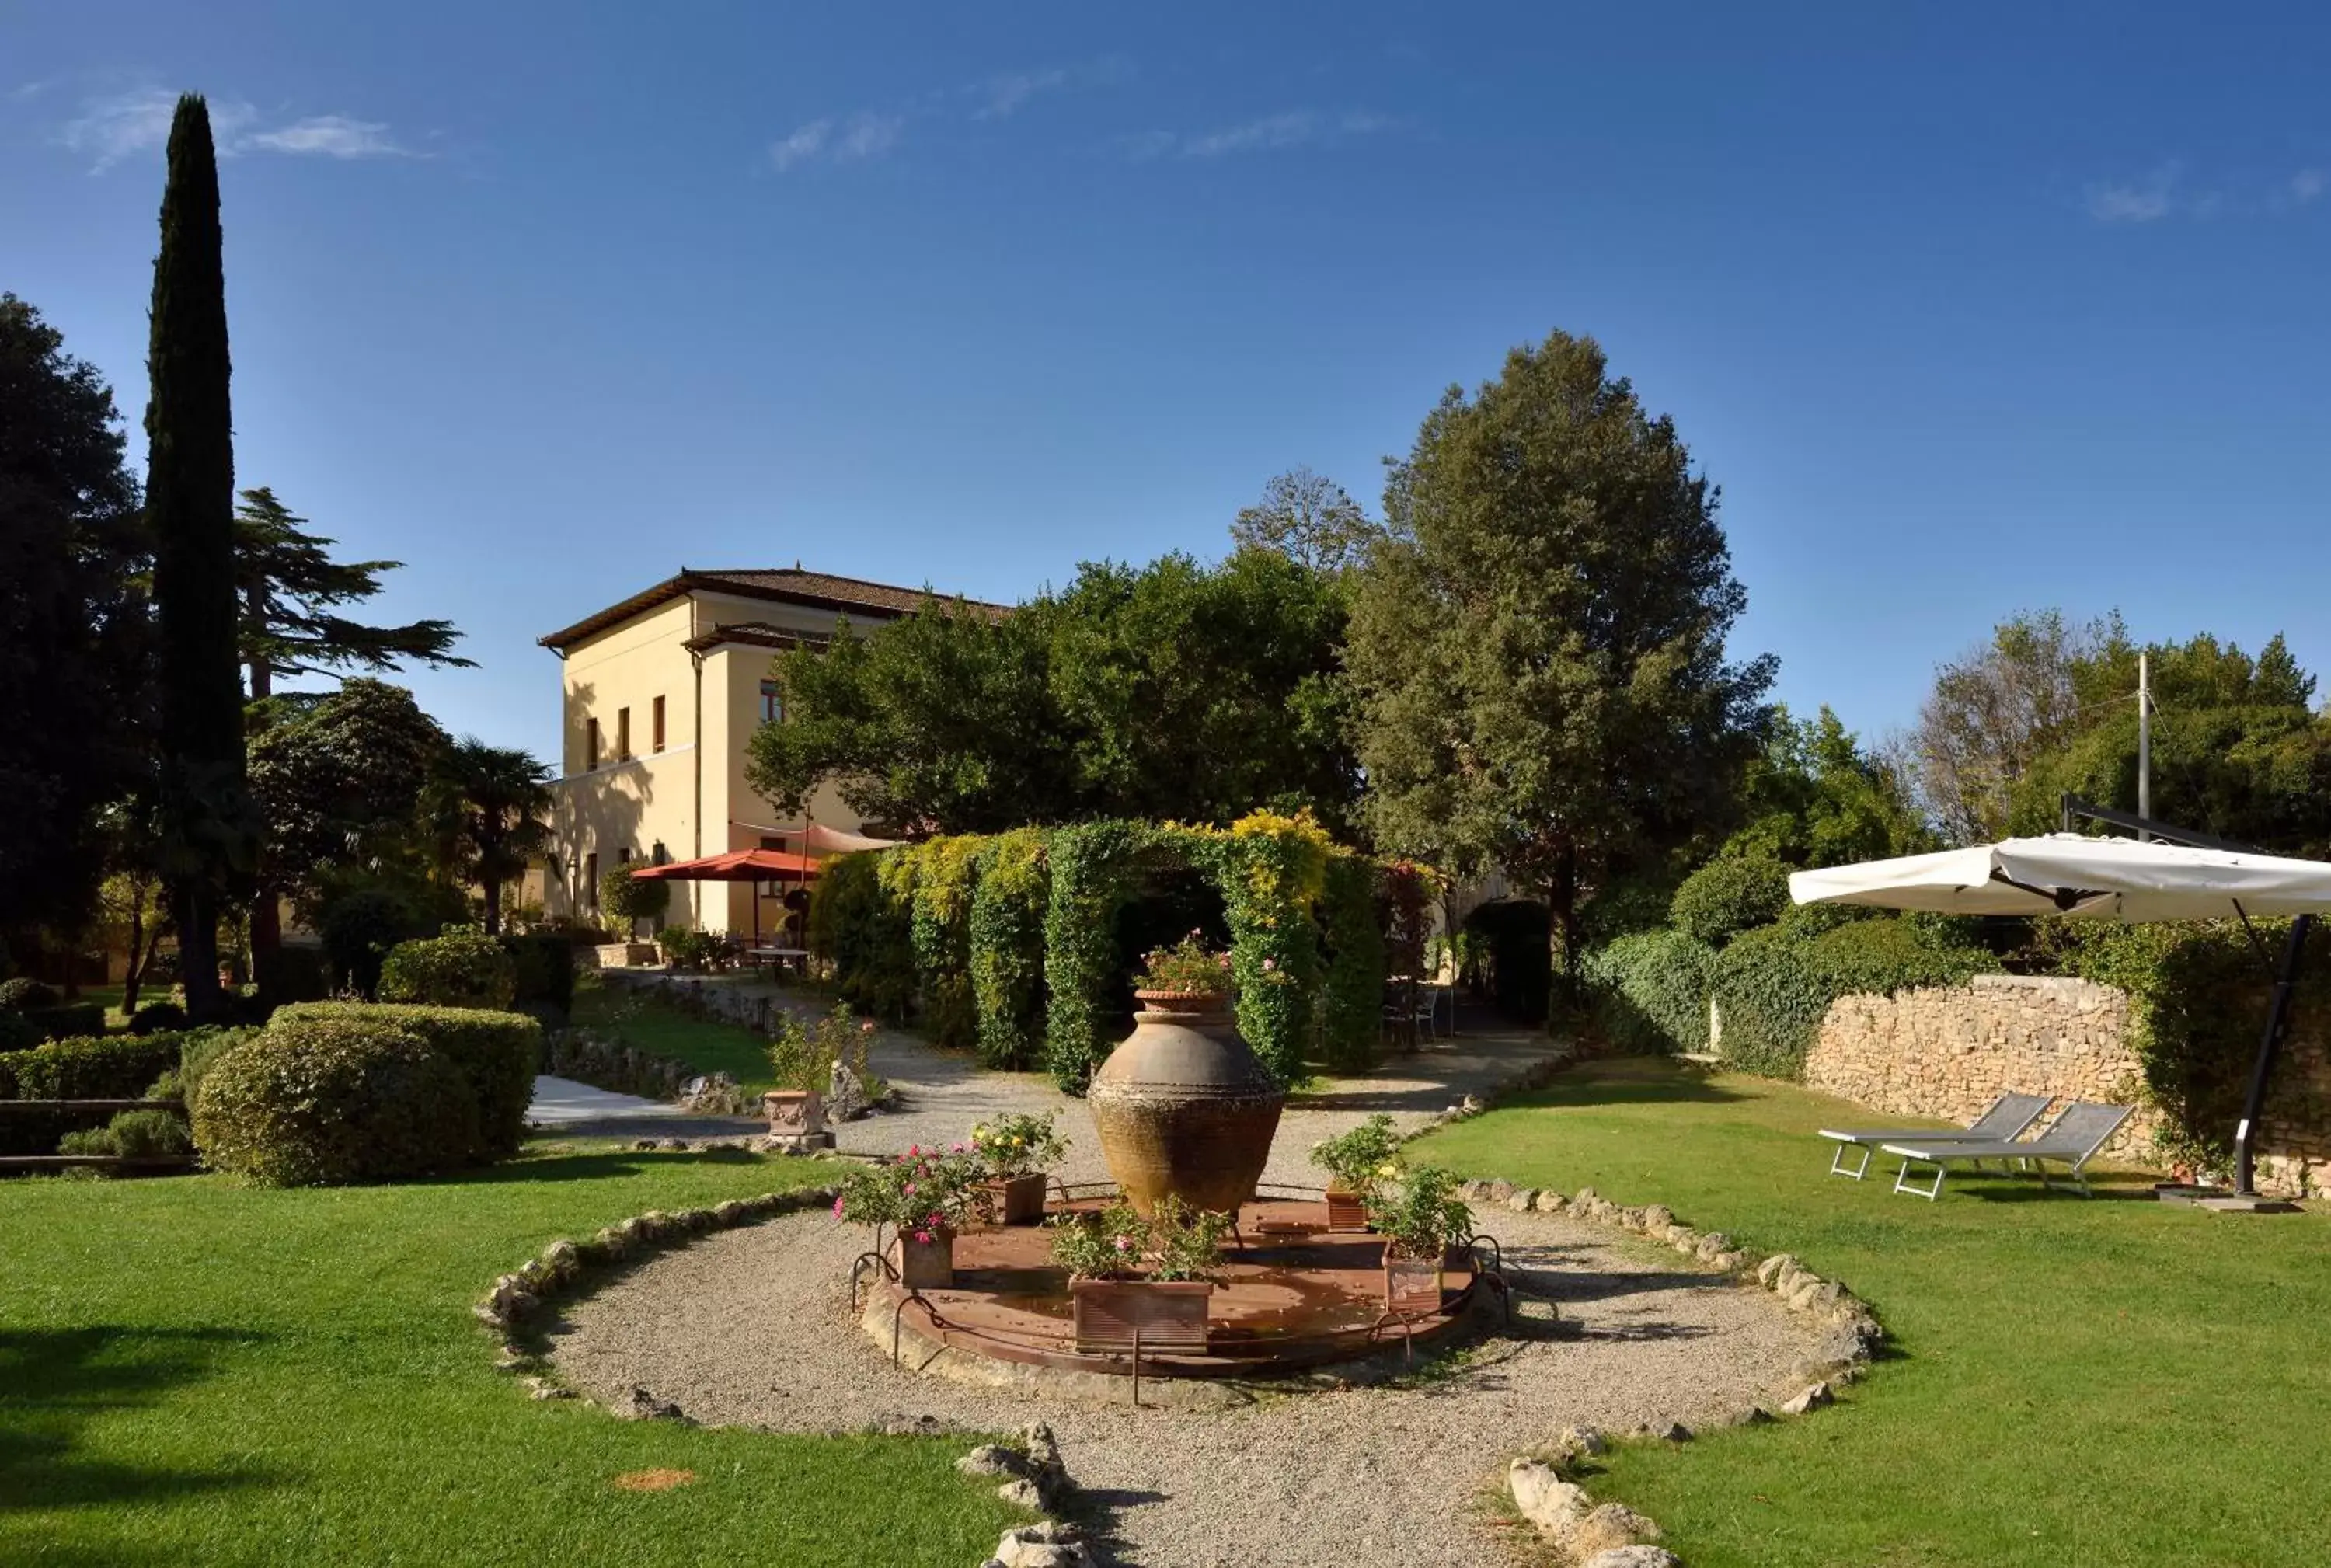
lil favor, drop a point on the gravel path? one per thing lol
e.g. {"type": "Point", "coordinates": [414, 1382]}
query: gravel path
{"type": "Point", "coordinates": [753, 1327]}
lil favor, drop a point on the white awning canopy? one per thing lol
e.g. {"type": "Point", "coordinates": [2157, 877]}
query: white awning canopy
{"type": "Point", "coordinates": [2071, 874]}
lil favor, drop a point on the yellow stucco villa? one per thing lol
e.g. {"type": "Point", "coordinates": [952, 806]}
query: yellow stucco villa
{"type": "Point", "coordinates": [659, 695]}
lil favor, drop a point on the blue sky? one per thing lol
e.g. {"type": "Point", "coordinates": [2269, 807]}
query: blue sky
{"type": "Point", "coordinates": [1967, 310]}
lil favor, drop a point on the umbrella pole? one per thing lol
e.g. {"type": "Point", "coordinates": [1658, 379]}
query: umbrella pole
{"type": "Point", "coordinates": [2277, 1018]}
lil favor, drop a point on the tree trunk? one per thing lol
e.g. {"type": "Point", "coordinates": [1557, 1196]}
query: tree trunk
{"type": "Point", "coordinates": [493, 905]}
{"type": "Point", "coordinates": [1564, 935]}
{"type": "Point", "coordinates": [197, 922]}
{"type": "Point", "coordinates": [266, 940]}
{"type": "Point", "coordinates": [133, 966]}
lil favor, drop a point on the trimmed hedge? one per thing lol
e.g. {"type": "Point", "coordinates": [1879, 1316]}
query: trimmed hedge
{"type": "Point", "coordinates": [66, 1020]}
{"type": "Point", "coordinates": [857, 929]}
{"type": "Point", "coordinates": [1007, 946]}
{"type": "Point", "coordinates": [496, 1053]}
{"type": "Point", "coordinates": [458, 969]}
{"type": "Point", "coordinates": [115, 1066]}
{"type": "Point", "coordinates": [1651, 992]}
{"type": "Point", "coordinates": [1774, 985]}
{"type": "Point", "coordinates": [25, 994]}
{"type": "Point", "coordinates": [94, 1067]}
{"type": "Point", "coordinates": [1729, 896]}
{"type": "Point", "coordinates": [321, 1101]}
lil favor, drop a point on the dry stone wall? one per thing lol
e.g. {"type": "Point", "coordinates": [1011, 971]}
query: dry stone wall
{"type": "Point", "coordinates": [1948, 1051]}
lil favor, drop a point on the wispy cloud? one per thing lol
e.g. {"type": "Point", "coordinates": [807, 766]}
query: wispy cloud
{"type": "Point", "coordinates": [2145, 201]}
{"type": "Point", "coordinates": [860, 136]}
{"type": "Point", "coordinates": [127, 125]}
{"type": "Point", "coordinates": [804, 144]}
{"type": "Point", "coordinates": [869, 136]}
{"type": "Point", "coordinates": [1004, 94]}
{"type": "Point", "coordinates": [329, 135]}
{"type": "Point", "coordinates": [1287, 128]}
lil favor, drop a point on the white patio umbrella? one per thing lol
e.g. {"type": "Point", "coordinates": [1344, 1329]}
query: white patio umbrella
{"type": "Point", "coordinates": [2070, 874]}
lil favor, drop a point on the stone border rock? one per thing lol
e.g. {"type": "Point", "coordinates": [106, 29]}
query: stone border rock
{"type": "Point", "coordinates": [1614, 1535]}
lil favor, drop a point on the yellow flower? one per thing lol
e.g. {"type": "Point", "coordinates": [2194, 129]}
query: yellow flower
{"type": "Point", "coordinates": [1387, 1170]}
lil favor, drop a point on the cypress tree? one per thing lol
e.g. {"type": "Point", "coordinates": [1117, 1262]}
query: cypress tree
{"type": "Point", "coordinates": [207, 842]}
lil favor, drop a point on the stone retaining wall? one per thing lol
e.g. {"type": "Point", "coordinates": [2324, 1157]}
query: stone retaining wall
{"type": "Point", "coordinates": [1948, 1051]}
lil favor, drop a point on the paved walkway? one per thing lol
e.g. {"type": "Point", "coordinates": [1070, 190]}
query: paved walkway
{"type": "Point", "coordinates": [578, 1110]}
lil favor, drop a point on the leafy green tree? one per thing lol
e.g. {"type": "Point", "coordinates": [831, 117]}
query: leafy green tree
{"type": "Point", "coordinates": [207, 825]}
{"type": "Point", "coordinates": [71, 696]}
{"type": "Point", "coordinates": [1166, 691]}
{"type": "Point", "coordinates": [1537, 649]}
{"type": "Point", "coordinates": [489, 806]}
{"type": "Point", "coordinates": [1996, 711]}
{"type": "Point", "coordinates": [1815, 798]}
{"type": "Point", "coordinates": [338, 783]}
{"type": "Point", "coordinates": [1310, 520]}
{"type": "Point", "coordinates": [290, 589]}
{"type": "Point", "coordinates": [2238, 749]}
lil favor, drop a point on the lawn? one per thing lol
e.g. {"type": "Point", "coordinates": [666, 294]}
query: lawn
{"type": "Point", "coordinates": [192, 1370]}
{"type": "Point", "coordinates": [707, 1044]}
{"type": "Point", "coordinates": [2087, 1384]}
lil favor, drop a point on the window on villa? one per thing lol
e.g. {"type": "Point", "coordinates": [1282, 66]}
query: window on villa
{"type": "Point", "coordinates": [623, 734]}
{"type": "Point", "coordinates": [590, 744]}
{"type": "Point", "coordinates": [772, 702]}
{"type": "Point", "coordinates": [591, 880]}
{"type": "Point", "coordinates": [655, 725]}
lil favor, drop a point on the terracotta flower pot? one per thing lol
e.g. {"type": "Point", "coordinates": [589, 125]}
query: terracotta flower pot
{"type": "Point", "coordinates": [1183, 1107]}
{"type": "Point", "coordinates": [1412, 1284]}
{"type": "Point", "coordinates": [1346, 1210]}
{"type": "Point", "coordinates": [1170, 1315]}
{"type": "Point", "coordinates": [927, 1264]}
{"type": "Point", "coordinates": [1019, 1199]}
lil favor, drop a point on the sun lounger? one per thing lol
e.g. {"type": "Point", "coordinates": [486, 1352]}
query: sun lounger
{"type": "Point", "coordinates": [2075, 1138]}
{"type": "Point", "coordinates": [2009, 1115]}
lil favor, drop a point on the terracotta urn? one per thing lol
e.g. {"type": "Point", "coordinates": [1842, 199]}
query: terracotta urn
{"type": "Point", "coordinates": [1185, 1106]}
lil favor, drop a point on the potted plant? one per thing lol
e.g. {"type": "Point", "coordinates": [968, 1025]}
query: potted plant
{"type": "Point", "coordinates": [1016, 1151]}
{"type": "Point", "coordinates": [925, 1197]}
{"type": "Point", "coordinates": [1424, 1221]}
{"type": "Point", "coordinates": [1140, 1283]}
{"type": "Point", "coordinates": [802, 1061]}
{"type": "Point", "coordinates": [1356, 1161]}
{"type": "Point", "coordinates": [1186, 977]}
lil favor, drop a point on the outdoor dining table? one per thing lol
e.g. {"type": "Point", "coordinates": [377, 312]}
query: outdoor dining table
{"type": "Point", "coordinates": [777, 958]}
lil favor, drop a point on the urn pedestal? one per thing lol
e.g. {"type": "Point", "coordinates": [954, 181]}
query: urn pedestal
{"type": "Point", "coordinates": [1183, 1107]}
{"type": "Point", "coordinates": [797, 1118]}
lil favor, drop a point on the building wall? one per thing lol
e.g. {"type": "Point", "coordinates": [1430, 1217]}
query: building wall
{"type": "Point", "coordinates": [692, 798]}
{"type": "Point", "coordinates": [1948, 1051]}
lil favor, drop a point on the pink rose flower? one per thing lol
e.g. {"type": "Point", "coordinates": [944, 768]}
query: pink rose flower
{"type": "Point", "coordinates": [837, 1208]}
{"type": "Point", "coordinates": [1268, 964]}
{"type": "Point", "coordinates": [910, 1189]}
{"type": "Point", "coordinates": [924, 1237]}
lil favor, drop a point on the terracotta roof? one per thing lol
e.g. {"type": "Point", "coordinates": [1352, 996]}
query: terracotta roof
{"type": "Point", "coordinates": [791, 586]}
{"type": "Point", "coordinates": [754, 634]}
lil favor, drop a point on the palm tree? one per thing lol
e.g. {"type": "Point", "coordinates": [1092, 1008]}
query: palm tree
{"type": "Point", "coordinates": [489, 806]}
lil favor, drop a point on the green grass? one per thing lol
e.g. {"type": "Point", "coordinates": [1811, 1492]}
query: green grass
{"type": "Point", "coordinates": [192, 1370]}
{"type": "Point", "coordinates": [2087, 1384]}
{"type": "Point", "coordinates": [709, 1045]}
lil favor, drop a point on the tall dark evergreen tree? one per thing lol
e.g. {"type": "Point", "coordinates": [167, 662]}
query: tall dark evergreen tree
{"type": "Point", "coordinates": [73, 625]}
{"type": "Point", "coordinates": [208, 843]}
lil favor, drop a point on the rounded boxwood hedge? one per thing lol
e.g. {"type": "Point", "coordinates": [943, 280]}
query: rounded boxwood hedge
{"type": "Point", "coordinates": [496, 1053]}
{"type": "Point", "coordinates": [323, 1101]}
{"type": "Point", "coordinates": [458, 969]}
{"type": "Point", "coordinates": [1730, 896]}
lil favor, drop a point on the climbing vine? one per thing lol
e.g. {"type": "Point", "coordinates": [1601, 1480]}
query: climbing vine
{"type": "Point", "coordinates": [1351, 993]}
{"type": "Point", "coordinates": [1007, 946]}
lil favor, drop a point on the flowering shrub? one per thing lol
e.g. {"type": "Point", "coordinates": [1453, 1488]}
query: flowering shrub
{"type": "Point", "coordinates": [1421, 1213]}
{"type": "Point", "coordinates": [1018, 1145]}
{"type": "Point", "coordinates": [924, 1194]}
{"type": "Point", "coordinates": [805, 1058]}
{"type": "Point", "coordinates": [1104, 1246]}
{"type": "Point", "coordinates": [1361, 1156]}
{"type": "Point", "coordinates": [1179, 1242]}
{"type": "Point", "coordinates": [1188, 968]}
{"type": "Point", "coordinates": [1185, 1243]}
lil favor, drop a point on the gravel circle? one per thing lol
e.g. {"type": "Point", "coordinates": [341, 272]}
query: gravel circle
{"type": "Point", "coordinates": [753, 1327]}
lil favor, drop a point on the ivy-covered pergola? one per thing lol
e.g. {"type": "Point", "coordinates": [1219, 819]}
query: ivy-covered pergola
{"type": "Point", "coordinates": [1006, 941]}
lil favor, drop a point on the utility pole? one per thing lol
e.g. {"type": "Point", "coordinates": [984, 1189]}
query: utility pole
{"type": "Point", "coordinates": [2143, 739]}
